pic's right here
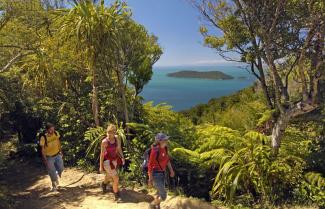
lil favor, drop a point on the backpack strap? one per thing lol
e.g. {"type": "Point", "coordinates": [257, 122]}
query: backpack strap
{"type": "Point", "coordinates": [45, 139]}
{"type": "Point", "coordinates": [56, 134]}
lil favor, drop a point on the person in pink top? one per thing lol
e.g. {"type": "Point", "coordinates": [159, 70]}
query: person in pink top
{"type": "Point", "coordinates": [111, 156]}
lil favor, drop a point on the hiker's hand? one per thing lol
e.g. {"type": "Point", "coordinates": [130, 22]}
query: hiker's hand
{"type": "Point", "coordinates": [172, 173]}
{"type": "Point", "coordinates": [46, 165]}
{"type": "Point", "coordinates": [150, 182]}
{"type": "Point", "coordinates": [61, 153]}
{"type": "Point", "coordinates": [123, 161]}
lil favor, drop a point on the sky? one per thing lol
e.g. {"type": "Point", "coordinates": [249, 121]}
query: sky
{"type": "Point", "coordinates": [176, 24]}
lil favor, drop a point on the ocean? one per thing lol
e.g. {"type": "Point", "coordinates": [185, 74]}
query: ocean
{"type": "Point", "coordinates": [184, 93]}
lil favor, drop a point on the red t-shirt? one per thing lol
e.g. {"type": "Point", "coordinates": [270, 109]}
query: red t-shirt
{"type": "Point", "coordinates": [163, 159]}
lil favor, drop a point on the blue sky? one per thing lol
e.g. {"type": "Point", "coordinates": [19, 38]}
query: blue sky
{"type": "Point", "coordinates": [176, 23]}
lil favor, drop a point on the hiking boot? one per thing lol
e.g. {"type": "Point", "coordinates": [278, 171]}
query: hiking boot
{"type": "Point", "coordinates": [117, 197]}
{"type": "Point", "coordinates": [54, 189]}
{"type": "Point", "coordinates": [104, 187]}
{"type": "Point", "coordinates": [55, 185]}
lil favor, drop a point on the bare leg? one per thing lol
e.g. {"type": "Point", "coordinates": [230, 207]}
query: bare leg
{"type": "Point", "coordinates": [115, 183]}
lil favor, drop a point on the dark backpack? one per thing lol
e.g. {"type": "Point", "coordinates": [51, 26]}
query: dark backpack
{"type": "Point", "coordinates": [146, 157]}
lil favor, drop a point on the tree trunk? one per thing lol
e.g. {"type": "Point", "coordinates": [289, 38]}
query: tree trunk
{"type": "Point", "coordinates": [280, 89]}
{"type": "Point", "coordinates": [263, 83]}
{"type": "Point", "coordinates": [278, 130]}
{"type": "Point", "coordinates": [125, 105]}
{"type": "Point", "coordinates": [94, 103]}
{"type": "Point", "coordinates": [284, 119]}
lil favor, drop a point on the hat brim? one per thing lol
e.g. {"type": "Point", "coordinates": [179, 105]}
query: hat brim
{"type": "Point", "coordinates": [164, 139]}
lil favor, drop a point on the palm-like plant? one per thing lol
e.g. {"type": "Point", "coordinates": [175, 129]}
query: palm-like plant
{"type": "Point", "coordinates": [95, 27]}
{"type": "Point", "coordinates": [97, 134]}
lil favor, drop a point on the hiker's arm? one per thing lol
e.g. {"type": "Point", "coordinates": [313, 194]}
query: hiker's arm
{"type": "Point", "coordinates": [44, 156]}
{"type": "Point", "coordinates": [101, 157]}
{"type": "Point", "coordinates": [60, 147]}
{"type": "Point", "coordinates": [42, 144]}
{"type": "Point", "coordinates": [152, 158]}
{"type": "Point", "coordinates": [171, 170]}
{"type": "Point", "coordinates": [119, 148]}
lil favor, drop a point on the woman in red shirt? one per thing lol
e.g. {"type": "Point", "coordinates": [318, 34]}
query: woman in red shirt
{"type": "Point", "coordinates": [158, 162]}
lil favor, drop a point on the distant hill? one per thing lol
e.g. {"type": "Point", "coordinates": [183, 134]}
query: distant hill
{"type": "Point", "coordinates": [215, 75]}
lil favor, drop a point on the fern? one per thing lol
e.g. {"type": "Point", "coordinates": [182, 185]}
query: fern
{"type": "Point", "coordinates": [214, 137]}
{"type": "Point", "coordinates": [95, 137]}
{"type": "Point", "coordinates": [315, 179]}
{"type": "Point", "coordinates": [246, 164]}
{"type": "Point", "coordinates": [266, 116]}
{"type": "Point", "coordinates": [191, 157]}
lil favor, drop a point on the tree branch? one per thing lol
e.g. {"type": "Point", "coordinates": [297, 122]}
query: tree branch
{"type": "Point", "coordinates": [13, 61]}
{"type": "Point", "coordinates": [276, 15]}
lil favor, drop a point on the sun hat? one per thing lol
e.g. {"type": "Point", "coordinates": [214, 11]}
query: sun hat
{"type": "Point", "coordinates": [161, 137]}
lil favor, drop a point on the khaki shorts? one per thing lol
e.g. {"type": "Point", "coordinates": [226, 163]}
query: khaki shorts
{"type": "Point", "coordinates": [107, 167]}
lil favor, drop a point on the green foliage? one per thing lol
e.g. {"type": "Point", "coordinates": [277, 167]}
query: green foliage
{"type": "Point", "coordinates": [244, 164]}
{"type": "Point", "coordinates": [311, 189]}
{"type": "Point", "coordinates": [315, 179]}
{"type": "Point", "coordinates": [95, 137]}
{"type": "Point", "coordinates": [266, 116]}
{"type": "Point", "coordinates": [240, 111]}
{"type": "Point", "coordinates": [66, 56]}
{"type": "Point", "coordinates": [63, 51]}
{"type": "Point", "coordinates": [160, 118]}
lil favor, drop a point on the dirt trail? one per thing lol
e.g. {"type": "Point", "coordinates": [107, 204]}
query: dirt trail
{"type": "Point", "coordinates": [28, 186]}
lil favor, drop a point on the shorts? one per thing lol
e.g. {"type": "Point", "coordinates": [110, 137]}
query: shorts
{"type": "Point", "coordinates": [107, 167]}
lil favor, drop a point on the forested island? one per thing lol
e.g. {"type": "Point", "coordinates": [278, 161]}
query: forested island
{"type": "Point", "coordinates": [214, 75]}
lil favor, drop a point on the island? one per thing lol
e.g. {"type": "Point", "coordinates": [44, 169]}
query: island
{"type": "Point", "coordinates": [214, 75]}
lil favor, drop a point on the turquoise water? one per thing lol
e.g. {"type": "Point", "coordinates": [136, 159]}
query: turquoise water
{"type": "Point", "coordinates": [184, 93]}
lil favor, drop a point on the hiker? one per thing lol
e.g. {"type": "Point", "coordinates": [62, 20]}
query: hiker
{"type": "Point", "coordinates": [111, 156]}
{"type": "Point", "coordinates": [52, 154]}
{"type": "Point", "coordinates": [157, 163]}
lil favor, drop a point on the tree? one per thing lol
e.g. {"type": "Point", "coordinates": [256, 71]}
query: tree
{"type": "Point", "coordinates": [239, 37]}
{"type": "Point", "coordinates": [131, 56]}
{"type": "Point", "coordinates": [273, 33]}
{"type": "Point", "coordinates": [142, 52]}
{"type": "Point", "coordinates": [93, 25]}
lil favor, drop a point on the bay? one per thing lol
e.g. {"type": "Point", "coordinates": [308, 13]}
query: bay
{"type": "Point", "coordinates": [184, 93]}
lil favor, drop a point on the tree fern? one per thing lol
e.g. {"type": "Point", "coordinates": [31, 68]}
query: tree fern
{"type": "Point", "coordinates": [246, 164]}
{"type": "Point", "coordinates": [214, 137]}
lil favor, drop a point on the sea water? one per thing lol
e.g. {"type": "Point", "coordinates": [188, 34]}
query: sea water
{"type": "Point", "coordinates": [184, 93]}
